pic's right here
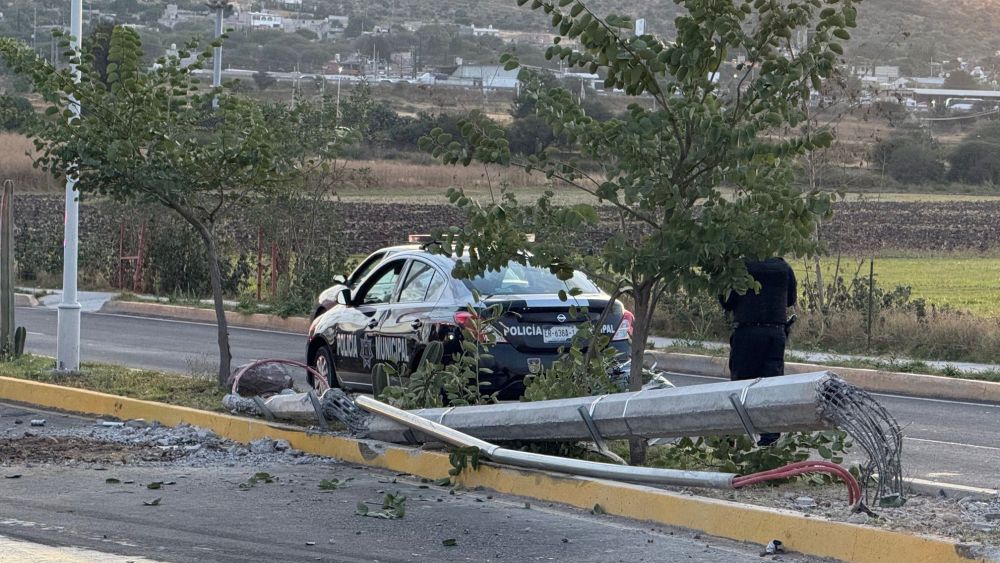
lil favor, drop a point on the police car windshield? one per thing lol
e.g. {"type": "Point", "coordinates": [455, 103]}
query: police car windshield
{"type": "Point", "coordinates": [518, 279]}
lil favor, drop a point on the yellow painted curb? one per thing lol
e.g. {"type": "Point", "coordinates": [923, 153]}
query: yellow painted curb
{"type": "Point", "coordinates": [876, 381]}
{"type": "Point", "coordinates": [197, 314]}
{"type": "Point", "coordinates": [809, 535]}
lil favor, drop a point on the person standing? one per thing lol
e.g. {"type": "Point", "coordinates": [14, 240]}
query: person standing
{"type": "Point", "coordinates": [760, 324]}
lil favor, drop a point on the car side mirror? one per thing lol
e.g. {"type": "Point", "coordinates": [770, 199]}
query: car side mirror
{"type": "Point", "coordinates": [339, 279]}
{"type": "Point", "coordinates": [344, 296]}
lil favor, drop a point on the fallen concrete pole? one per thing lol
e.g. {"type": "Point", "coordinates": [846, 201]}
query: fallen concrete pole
{"type": "Point", "coordinates": [648, 475]}
{"type": "Point", "coordinates": [793, 403]}
{"type": "Point", "coordinates": [780, 404]}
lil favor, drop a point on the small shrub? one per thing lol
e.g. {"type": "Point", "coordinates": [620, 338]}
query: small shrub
{"type": "Point", "coordinates": [740, 454]}
{"type": "Point", "coordinates": [456, 383]}
{"type": "Point", "coordinates": [975, 162]}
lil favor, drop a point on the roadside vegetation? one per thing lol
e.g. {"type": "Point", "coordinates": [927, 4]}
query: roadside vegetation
{"type": "Point", "coordinates": [198, 392]}
{"type": "Point", "coordinates": [840, 317]}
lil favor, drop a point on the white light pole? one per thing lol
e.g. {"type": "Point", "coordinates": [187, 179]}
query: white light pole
{"type": "Point", "coordinates": [68, 312]}
{"type": "Point", "coordinates": [339, 70]}
{"type": "Point", "coordinates": [220, 7]}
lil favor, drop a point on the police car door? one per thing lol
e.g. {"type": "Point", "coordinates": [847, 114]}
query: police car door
{"type": "Point", "coordinates": [404, 332]}
{"type": "Point", "coordinates": [354, 351]}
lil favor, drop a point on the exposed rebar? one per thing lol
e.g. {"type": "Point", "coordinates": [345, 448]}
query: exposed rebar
{"type": "Point", "coordinates": [875, 431]}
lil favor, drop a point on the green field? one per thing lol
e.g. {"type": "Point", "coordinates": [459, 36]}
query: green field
{"type": "Point", "coordinates": [971, 284]}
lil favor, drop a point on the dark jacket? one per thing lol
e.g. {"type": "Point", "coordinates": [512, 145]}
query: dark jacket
{"type": "Point", "coordinates": [777, 292]}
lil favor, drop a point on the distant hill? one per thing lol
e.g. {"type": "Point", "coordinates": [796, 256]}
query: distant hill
{"type": "Point", "coordinates": [909, 32]}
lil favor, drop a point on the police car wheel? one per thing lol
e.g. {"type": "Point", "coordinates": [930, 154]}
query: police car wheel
{"type": "Point", "coordinates": [323, 363]}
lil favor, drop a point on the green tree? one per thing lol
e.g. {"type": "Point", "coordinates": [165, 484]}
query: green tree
{"type": "Point", "coordinates": [700, 182]}
{"type": "Point", "coordinates": [910, 157]}
{"type": "Point", "coordinates": [152, 137]}
{"type": "Point", "coordinates": [975, 162]}
{"type": "Point", "coordinates": [961, 80]}
{"type": "Point", "coordinates": [977, 159]}
{"type": "Point", "coordinates": [915, 163]}
{"type": "Point", "coordinates": [16, 112]}
{"type": "Point", "coordinates": [98, 44]}
{"type": "Point", "coordinates": [263, 80]}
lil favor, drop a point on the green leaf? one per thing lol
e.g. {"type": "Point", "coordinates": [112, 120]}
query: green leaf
{"type": "Point", "coordinates": [329, 484]}
{"type": "Point", "coordinates": [450, 542]}
{"type": "Point", "coordinates": [112, 481]}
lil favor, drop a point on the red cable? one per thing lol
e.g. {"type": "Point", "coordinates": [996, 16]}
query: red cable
{"type": "Point", "coordinates": [799, 468]}
{"type": "Point", "coordinates": [816, 465]}
{"type": "Point", "coordinates": [852, 493]}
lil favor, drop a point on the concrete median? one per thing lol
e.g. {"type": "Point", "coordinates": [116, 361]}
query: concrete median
{"type": "Point", "coordinates": [197, 314]}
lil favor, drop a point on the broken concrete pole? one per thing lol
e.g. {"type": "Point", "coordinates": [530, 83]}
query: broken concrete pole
{"type": "Point", "coordinates": [779, 404]}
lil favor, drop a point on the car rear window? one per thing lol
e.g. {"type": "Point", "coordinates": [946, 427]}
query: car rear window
{"type": "Point", "coordinates": [519, 279]}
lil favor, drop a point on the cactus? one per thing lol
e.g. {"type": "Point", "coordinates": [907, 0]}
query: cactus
{"type": "Point", "coordinates": [8, 334]}
{"type": "Point", "coordinates": [433, 354]}
{"type": "Point", "coordinates": [380, 379]}
{"type": "Point", "coordinates": [20, 336]}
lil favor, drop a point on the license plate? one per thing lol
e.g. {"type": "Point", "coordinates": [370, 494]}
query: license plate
{"type": "Point", "coordinates": [552, 334]}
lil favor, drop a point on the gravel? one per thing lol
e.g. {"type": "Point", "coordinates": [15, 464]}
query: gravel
{"type": "Point", "coordinates": [969, 519]}
{"type": "Point", "coordinates": [147, 444]}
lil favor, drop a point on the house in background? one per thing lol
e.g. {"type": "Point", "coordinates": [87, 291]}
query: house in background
{"type": "Point", "coordinates": [487, 77]}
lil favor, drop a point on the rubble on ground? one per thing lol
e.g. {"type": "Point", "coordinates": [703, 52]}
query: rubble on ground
{"type": "Point", "coordinates": [965, 518]}
{"type": "Point", "coordinates": [136, 442]}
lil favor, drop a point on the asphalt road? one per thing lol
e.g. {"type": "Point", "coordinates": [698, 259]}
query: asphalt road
{"type": "Point", "coordinates": [54, 509]}
{"type": "Point", "coordinates": [945, 441]}
{"type": "Point", "coordinates": [160, 344]}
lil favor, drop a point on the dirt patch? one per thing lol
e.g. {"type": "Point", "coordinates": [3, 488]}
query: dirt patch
{"type": "Point", "coordinates": [52, 449]}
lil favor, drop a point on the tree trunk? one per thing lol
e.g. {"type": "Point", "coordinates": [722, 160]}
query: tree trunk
{"type": "Point", "coordinates": [225, 357]}
{"type": "Point", "coordinates": [640, 332]}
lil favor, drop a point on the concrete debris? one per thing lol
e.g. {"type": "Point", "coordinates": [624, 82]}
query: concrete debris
{"type": "Point", "coordinates": [858, 518]}
{"type": "Point", "coordinates": [805, 502]}
{"type": "Point", "coordinates": [262, 446]}
{"type": "Point", "coordinates": [773, 547]}
{"type": "Point", "coordinates": [38, 422]}
{"type": "Point", "coordinates": [183, 445]}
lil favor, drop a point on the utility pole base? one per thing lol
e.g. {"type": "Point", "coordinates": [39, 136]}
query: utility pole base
{"type": "Point", "coordinates": [68, 338]}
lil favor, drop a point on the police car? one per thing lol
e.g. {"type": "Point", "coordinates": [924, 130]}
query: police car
{"type": "Point", "coordinates": [408, 297]}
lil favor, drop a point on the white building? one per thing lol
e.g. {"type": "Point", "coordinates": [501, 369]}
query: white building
{"type": "Point", "coordinates": [485, 31]}
{"type": "Point", "coordinates": [264, 20]}
{"type": "Point", "coordinates": [487, 77]}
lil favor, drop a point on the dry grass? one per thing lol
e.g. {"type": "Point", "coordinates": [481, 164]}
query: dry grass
{"type": "Point", "coordinates": [947, 336]}
{"type": "Point", "coordinates": [15, 164]}
{"type": "Point", "coordinates": [944, 335]}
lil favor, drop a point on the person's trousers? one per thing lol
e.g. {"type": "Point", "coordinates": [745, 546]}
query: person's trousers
{"type": "Point", "coordinates": [756, 351]}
